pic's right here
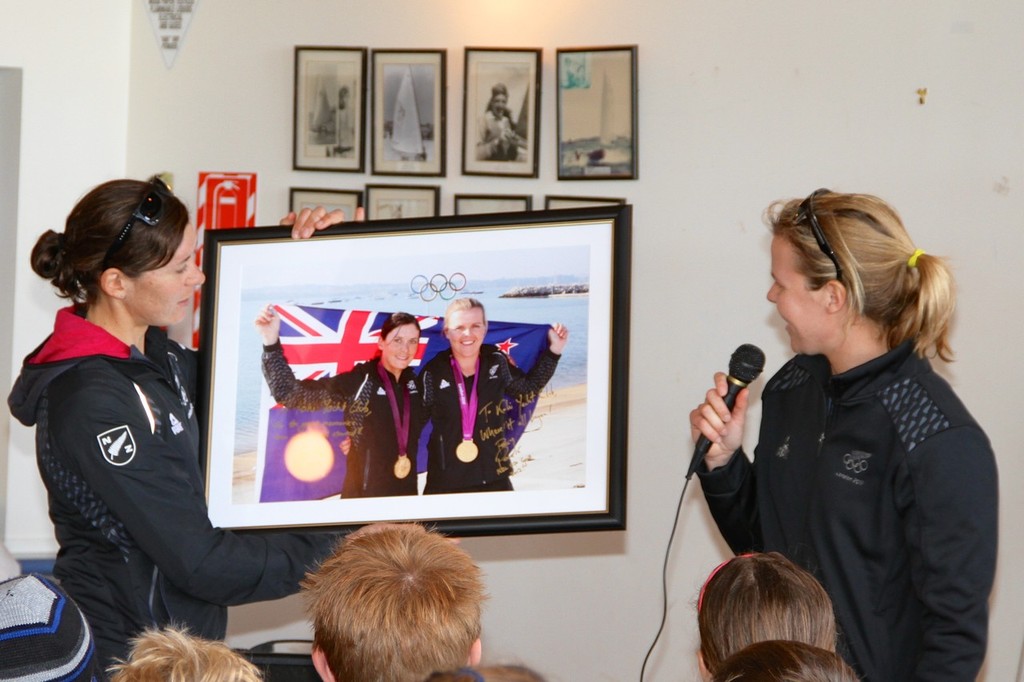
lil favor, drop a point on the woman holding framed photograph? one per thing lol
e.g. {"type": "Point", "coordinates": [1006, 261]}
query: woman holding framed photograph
{"type": "Point", "coordinates": [117, 439]}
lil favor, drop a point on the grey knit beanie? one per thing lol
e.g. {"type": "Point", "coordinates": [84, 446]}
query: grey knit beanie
{"type": "Point", "coordinates": [43, 635]}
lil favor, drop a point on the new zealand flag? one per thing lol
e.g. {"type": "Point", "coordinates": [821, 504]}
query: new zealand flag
{"type": "Point", "coordinates": [322, 342]}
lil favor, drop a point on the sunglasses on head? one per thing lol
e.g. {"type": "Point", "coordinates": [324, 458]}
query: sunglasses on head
{"type": "Point", "coordinates": [148, 211]}
{"type": "Point", "coordinates": [806, 212]}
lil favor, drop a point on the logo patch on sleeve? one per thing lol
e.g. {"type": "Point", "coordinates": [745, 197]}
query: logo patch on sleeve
{"type": "Point", "coordinates": [117, 445]}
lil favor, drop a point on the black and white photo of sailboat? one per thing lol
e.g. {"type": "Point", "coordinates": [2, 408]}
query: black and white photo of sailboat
{"type": "Point", "coordinates": [408, 112]}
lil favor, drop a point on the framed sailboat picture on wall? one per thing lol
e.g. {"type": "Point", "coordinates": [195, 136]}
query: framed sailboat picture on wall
{"type": "Point", "coordinates": [409, 114]}
{"type": "Point", "coordinates": [330, 101]}
{"type": "Point", "coordinates": [597, 113]}
{"type": "Point", "coordinates": [501, 112]}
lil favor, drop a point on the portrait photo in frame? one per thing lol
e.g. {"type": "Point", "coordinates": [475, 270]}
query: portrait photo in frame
{"type": "Point", "coordinates": [347, 200]}
{"type": "Point", "coordinates": [330, 101]}
{"type": "Point", "coordinates": [468, 204]}
{"type": "Point", "coordinates": [558, 201]}
{"type": "Point", "coordinates": [393, 202]}
{"type": "Point", "coordinates": [597, 113]}
{"type": "Point", "coordinates": [270, 466]}
{"type": "Point", "coordinates": [409, 112]}
{"type": "Point", "coordinates": [501, 111]}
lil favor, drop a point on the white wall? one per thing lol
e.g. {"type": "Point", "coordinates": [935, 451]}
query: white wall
{"type": "Point", "coordinates": [73, 63]}
{"type": "Point", "coordinates": [740, 103]}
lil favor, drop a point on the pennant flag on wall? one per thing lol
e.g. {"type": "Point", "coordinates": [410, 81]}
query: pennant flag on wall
{"type": "Point", "coordinates": [170, 20]}
{"type": "Point", "coordinates": [321, 342]}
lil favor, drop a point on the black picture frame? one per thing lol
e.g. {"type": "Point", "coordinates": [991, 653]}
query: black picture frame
{"type": "Point", "coordinates": [501, 111]}
{"type": "Point", "coordinates": [384, 201]}
{"type": "Point", "coordinates": [409, 107]}
{"type": "Point", "coordinates": [329, 124]}
{"type": "Point", "coordinates": [467, 204]}
{"type": "Point", "coordinates": [347, 200]}
{"type": "Point", "coordinates": [570, 475]}
{"type": "Point", "coordinates": [560, 201]}
{"type": "Point", "coordinates": [597, 113]}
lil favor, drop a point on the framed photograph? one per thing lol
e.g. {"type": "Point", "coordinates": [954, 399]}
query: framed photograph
{"type": "Point", "coordinates": [390, 202]}
{"type": "Point", "coordinates": [466, 204]}
{"type": "Point", "coordinates": [597, 122]}
{"type": "Point", "coordinates": [552, 201]}
{"type": "Point", "coordinates": [348, 200]}
{"type": "Point", "coordinates": [558, 447]}
{"type": "Point", "coordinates": [409, 89]}
{"type": "Point", "coordinates": [501, 112]}
{"type": "Point", "coordinates": [330, 101]}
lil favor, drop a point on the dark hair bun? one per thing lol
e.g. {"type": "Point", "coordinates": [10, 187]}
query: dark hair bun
{"type": "Point", "coordinates": [47, 254]}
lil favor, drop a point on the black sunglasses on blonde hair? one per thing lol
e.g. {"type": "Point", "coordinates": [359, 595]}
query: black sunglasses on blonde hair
{"type": "Point", "coordinates": [806, 212]}
{"type": "Point", "coordinates": [148, 211]}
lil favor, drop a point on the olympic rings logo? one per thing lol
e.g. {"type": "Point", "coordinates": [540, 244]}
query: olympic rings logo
{"type": "Point", "coordinates": [438, 286]}
{"type": "Point", "coordinates": [857, 465]}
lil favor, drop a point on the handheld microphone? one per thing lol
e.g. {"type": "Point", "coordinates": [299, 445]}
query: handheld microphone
{"type": "Point", "coordinates": [745, 365]}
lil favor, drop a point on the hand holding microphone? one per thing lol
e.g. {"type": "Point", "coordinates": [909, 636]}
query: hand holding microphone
{"type": "Point", "coordinates": [715, 414]}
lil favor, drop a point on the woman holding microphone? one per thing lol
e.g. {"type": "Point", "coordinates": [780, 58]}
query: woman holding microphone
{"type": "Point", "coordinates": [869, 471]}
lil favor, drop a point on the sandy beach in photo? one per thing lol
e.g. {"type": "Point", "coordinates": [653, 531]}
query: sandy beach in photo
{"type": "Point", "coordinates": [551, 454]}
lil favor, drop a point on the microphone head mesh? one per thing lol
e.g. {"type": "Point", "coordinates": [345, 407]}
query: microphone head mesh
{"type": "Point", "coordinates": [746, 363]}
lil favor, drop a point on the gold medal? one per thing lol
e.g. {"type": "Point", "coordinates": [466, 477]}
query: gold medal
{"type": "Point", "coordinates": [466, 451]}
{"type": "Point", "coordinates": [402, 466]}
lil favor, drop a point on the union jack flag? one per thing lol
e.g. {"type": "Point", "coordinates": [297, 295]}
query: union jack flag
{"type": "Point", "coordinates": [321, 342]}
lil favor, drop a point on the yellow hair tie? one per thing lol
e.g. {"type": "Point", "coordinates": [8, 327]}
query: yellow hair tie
{"type": "Point", "coordinates": [912, 261]}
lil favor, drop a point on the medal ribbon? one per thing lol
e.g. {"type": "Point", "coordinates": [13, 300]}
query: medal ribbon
{"type": "Point", "coordinates": [467, 406]}
{"type": "Point", "coordinates": [403, 420]}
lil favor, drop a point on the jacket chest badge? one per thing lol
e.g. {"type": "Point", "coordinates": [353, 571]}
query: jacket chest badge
{"type": "Point", "coordinates": [176, 426]}
{"type": "Point", "coordinates": [493, 372]}
{"type": "Point", "coordinates": [856, 461]}
{"type": "Point", "coordinates": [117, 445]}
{"type": "Point", "coordinates": [783, 451]}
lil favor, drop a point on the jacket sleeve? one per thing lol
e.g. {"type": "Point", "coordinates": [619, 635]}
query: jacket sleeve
{"type": "Point", "coordinates": [527, 386]}
{"type": "Point", "coordinates": [307, 394]}
{"type": "Point", "coordinates": [948, 494]}
{"type": "Point", "coordinates": [731, 495]}
{"type": "Point", "coordinates": [427, 380]}
{"type": "Point", "coordinates": [157, 497]}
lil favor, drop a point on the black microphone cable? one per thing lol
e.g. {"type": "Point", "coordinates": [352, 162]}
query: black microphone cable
{"type": "Point", "coordinates": [664, 579]}
{"type": "Point", "coordinates": [745, 365]}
